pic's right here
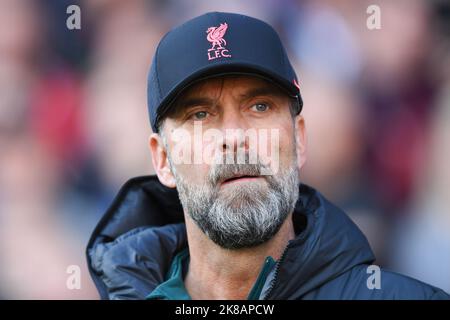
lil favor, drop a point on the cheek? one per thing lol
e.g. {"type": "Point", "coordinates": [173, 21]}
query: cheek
{"type": "Point", "coordinates": [278, 146]}
{"type": "Point", "coordinates": [287, 147]}
{"type": "Point", "coordinates": [192, 153]}
{"type": "Point", "coordinates": [193, 173]}
{"type": "Point", "coordinates": [195, 147]}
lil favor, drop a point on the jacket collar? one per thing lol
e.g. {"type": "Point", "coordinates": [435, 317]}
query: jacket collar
{"type": "Point", "coordinates": [133, 245]}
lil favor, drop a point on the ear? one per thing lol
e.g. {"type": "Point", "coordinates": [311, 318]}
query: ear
{"type": "Point", "coordinates": [300, 138]}
{"type": "Point", "coordinates": [160, 161]}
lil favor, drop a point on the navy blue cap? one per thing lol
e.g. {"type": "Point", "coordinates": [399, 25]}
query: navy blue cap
{"type": "Point", "coordinates": [216, 44]}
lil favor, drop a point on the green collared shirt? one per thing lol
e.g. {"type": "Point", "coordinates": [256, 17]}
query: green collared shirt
{"type": "Point", "coordinates": [173, 287]}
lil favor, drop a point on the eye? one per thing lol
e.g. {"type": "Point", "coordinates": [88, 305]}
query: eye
{"type": "Point", "coordinates": [200, 115]}
{"type": "Point", "coordinates": [260, 107]}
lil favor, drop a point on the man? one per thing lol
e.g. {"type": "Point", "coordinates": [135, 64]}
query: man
{"type": "Point", "coordinates": [226, 216]}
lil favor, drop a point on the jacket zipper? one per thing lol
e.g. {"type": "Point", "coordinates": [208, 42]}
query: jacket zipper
{"type": "Point", "coordinates": [277, 269]}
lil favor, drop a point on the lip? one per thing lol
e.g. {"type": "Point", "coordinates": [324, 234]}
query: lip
{"type": "Point", "coordinates": [241, 179]}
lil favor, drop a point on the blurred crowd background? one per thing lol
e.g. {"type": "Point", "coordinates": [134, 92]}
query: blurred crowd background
{"type": "Point", "coordinates": [74, 124]}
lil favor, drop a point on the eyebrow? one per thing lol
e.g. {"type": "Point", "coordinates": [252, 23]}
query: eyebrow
{"type": "Point", "coordinates": [190, 102]}
{"type": "Point", "coordinates": [262, 91]}
{"type": "Point", "coordinates": [194, 101]}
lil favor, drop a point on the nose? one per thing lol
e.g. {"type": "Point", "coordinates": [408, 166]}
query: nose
{"type": "Point", "coordinates": [234, 129]}
{"type": "Point", "coordinates": [234, 140]}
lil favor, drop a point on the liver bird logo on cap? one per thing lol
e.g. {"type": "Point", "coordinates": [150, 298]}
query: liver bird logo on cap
{"type": "Point", "coordinates": [215, 36]}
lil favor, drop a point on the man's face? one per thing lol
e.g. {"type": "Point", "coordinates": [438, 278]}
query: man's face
{"type": "Point", "coordinates": [231, 147]}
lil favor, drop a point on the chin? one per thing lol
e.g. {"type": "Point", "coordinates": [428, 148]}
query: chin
{"type": "Point", "coordinates": [244, 195]}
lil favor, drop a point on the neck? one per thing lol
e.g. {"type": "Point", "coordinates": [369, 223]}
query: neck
{"type": "Point", "coordinates": [218, 273]}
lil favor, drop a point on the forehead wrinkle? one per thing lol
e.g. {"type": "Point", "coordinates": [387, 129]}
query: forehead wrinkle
{"type": "Point", "coordinates": [251, 87]}
{"type": "Point", "coordinates": [210, 92]}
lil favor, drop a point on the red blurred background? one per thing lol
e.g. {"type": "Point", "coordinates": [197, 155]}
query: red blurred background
{"type": "Point", "coordinates": [74, 124]}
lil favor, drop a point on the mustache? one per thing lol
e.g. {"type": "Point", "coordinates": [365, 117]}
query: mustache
{"type": "Point", "coordinates": [222, 172]}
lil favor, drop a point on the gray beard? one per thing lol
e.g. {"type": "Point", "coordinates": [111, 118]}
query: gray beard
{"type": "Point", "coordinates": [243, 215]}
